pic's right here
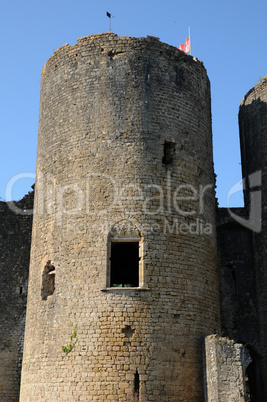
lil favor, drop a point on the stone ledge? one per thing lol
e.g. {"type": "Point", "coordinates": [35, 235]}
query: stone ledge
{"type": "Point", "coordinates": [123, 289]}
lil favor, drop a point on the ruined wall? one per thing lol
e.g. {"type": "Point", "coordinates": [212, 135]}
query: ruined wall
{"type": "Point", "coordinates": [253, 134]}
{"type": "Point", "coordinates": [124, 156]}
{"type": "Point", "coordinates": [15, 238]}
{"type": "Point", "coordinates": [226, 364]}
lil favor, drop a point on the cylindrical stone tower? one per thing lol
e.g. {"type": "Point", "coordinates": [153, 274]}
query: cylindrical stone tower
{"type": "Point", "coordinates": [123, 278]}
{"type": "Point", "coordinates": [253, 139]}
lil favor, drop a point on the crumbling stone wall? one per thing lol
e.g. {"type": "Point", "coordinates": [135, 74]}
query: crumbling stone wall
{"type": "Point", "coordinates": [15, 240]}
{"type": "Point", "coordinates": [226, 364]}
{"type": "Point", "coordinates": [124, 155]}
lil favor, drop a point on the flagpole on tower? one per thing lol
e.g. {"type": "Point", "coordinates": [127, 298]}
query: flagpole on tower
{"type": "Point", "coordinates": [186, 47]}
{"type": "Point", "coordinates": [109, 16]}
{"type": "Point", "coordinates": [189, 39]}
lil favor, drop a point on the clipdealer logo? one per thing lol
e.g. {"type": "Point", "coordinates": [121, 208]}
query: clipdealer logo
{"type": "Point", "coordinates": [254, 221]}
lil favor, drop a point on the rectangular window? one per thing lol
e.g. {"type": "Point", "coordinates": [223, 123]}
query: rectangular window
{"type": "Point", "coordinates": [124, 264]}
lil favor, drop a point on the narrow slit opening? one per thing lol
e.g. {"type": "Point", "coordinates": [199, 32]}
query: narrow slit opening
{"type": "Point", "coordinates": [136, 384]}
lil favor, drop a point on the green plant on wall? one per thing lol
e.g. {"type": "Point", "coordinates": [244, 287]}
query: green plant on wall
{"type": "Point", "coordinates": [259, 80]}
{"type": "Point", "coordinates": [73, 340]}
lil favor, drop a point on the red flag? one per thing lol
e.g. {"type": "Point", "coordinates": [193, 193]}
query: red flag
{"type": "Point", "coordinates": [185, 47]}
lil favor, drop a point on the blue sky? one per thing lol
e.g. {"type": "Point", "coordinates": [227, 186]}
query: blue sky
{"type": "Point", "coordinates": [229, 36]}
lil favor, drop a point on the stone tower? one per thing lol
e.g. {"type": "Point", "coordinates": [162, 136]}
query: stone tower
{"type": "Point", "coordinates": [253, 134]}
{"type": "Point", "coordinates": [123, 278]}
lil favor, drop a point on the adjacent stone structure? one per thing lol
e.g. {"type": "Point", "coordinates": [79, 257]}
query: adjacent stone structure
{"type": "Point", "coordinates": [226, 365]}
{"type": "Point", "coordinates": [15, 241]}
{"type": "Point", "coordinates": [253, 134]}
{"type": "Point", "coordinates": [237, 277]}
{"type": "Point", "coordinates": [128, 273]}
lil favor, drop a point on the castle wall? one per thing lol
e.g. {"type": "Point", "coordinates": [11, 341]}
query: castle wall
{"type": "Point", "coordinates": [124, 155]}
{"type": "Point", "coordinates": [15, 238]}
{"type": "Point", "coordinates": [253, 134]}
{"type": "Point", "coordinates": [238, 292]}
{"type": "Point", "coordinates": [226, 364]}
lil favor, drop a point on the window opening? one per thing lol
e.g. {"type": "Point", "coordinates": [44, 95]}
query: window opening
{"type": "Point", "coordinates": [169, 151]}
{"type": "Point", "coordinates": [48, 280]}
{"type": "Point", "coordinates": [124, 264]}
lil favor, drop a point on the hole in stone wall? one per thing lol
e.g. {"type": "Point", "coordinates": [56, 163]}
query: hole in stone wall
{"type": "Point", "coordinates": [128, 331]}
{"type": "Point", "coordinates": [48, 280]}
{"type": "Point", "coordinates": [169, 151]}
{"type": "Point", "coordinates": [176, 317]}
{"type": "Point", "coordinates": [111, 54]}
{"type": "Point", "coordinates": [20, 290]}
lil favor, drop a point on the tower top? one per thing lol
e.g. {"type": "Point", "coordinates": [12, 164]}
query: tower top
{"type": "Point", "coordinates": [107, 41]}
{"type": "Point", "coordinates": [262, 82]}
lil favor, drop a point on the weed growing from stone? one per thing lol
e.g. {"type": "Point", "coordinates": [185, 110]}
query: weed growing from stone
{"type": "Point", "coordinates": [73, 340]}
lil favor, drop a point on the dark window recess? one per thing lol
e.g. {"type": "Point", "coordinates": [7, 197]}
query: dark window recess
{"type": "Point", "coordinates": [169, 151]}
{"type": "Point", "coordinates": [136, 384]}
{"type": "Point", "coordinates": [124, 264]}
{"type": "Point", "coordinates": [48, 281]}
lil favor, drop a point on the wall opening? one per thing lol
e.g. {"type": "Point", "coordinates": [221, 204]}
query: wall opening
{"type": "Point", "coordinates": [168, 152]}
{"type": "Point", "coordinates": [253, 377]}
{"type": "Point", "coordinates": [136, 384]}
{"type": "Point", "coordinates": [128, 331]}
{"type": "Point", "coordinates": [125, 256]}
{"type": "Point", "coordinates": [48, 280]}
{"type": "Point", "coordinates": [124, 264]}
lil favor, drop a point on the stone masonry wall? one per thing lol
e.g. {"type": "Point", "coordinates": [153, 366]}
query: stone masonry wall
{"type": "Point", "coordinates": [124, 155]}
{"type": "Point", "coordinates": [237, 278]}
{"type": "Point", "coordinates": [15, 240]}
{"type": "Point", "coordinates": [253, 134]}
{"type": "Point", "coordinates": [226, 363]}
